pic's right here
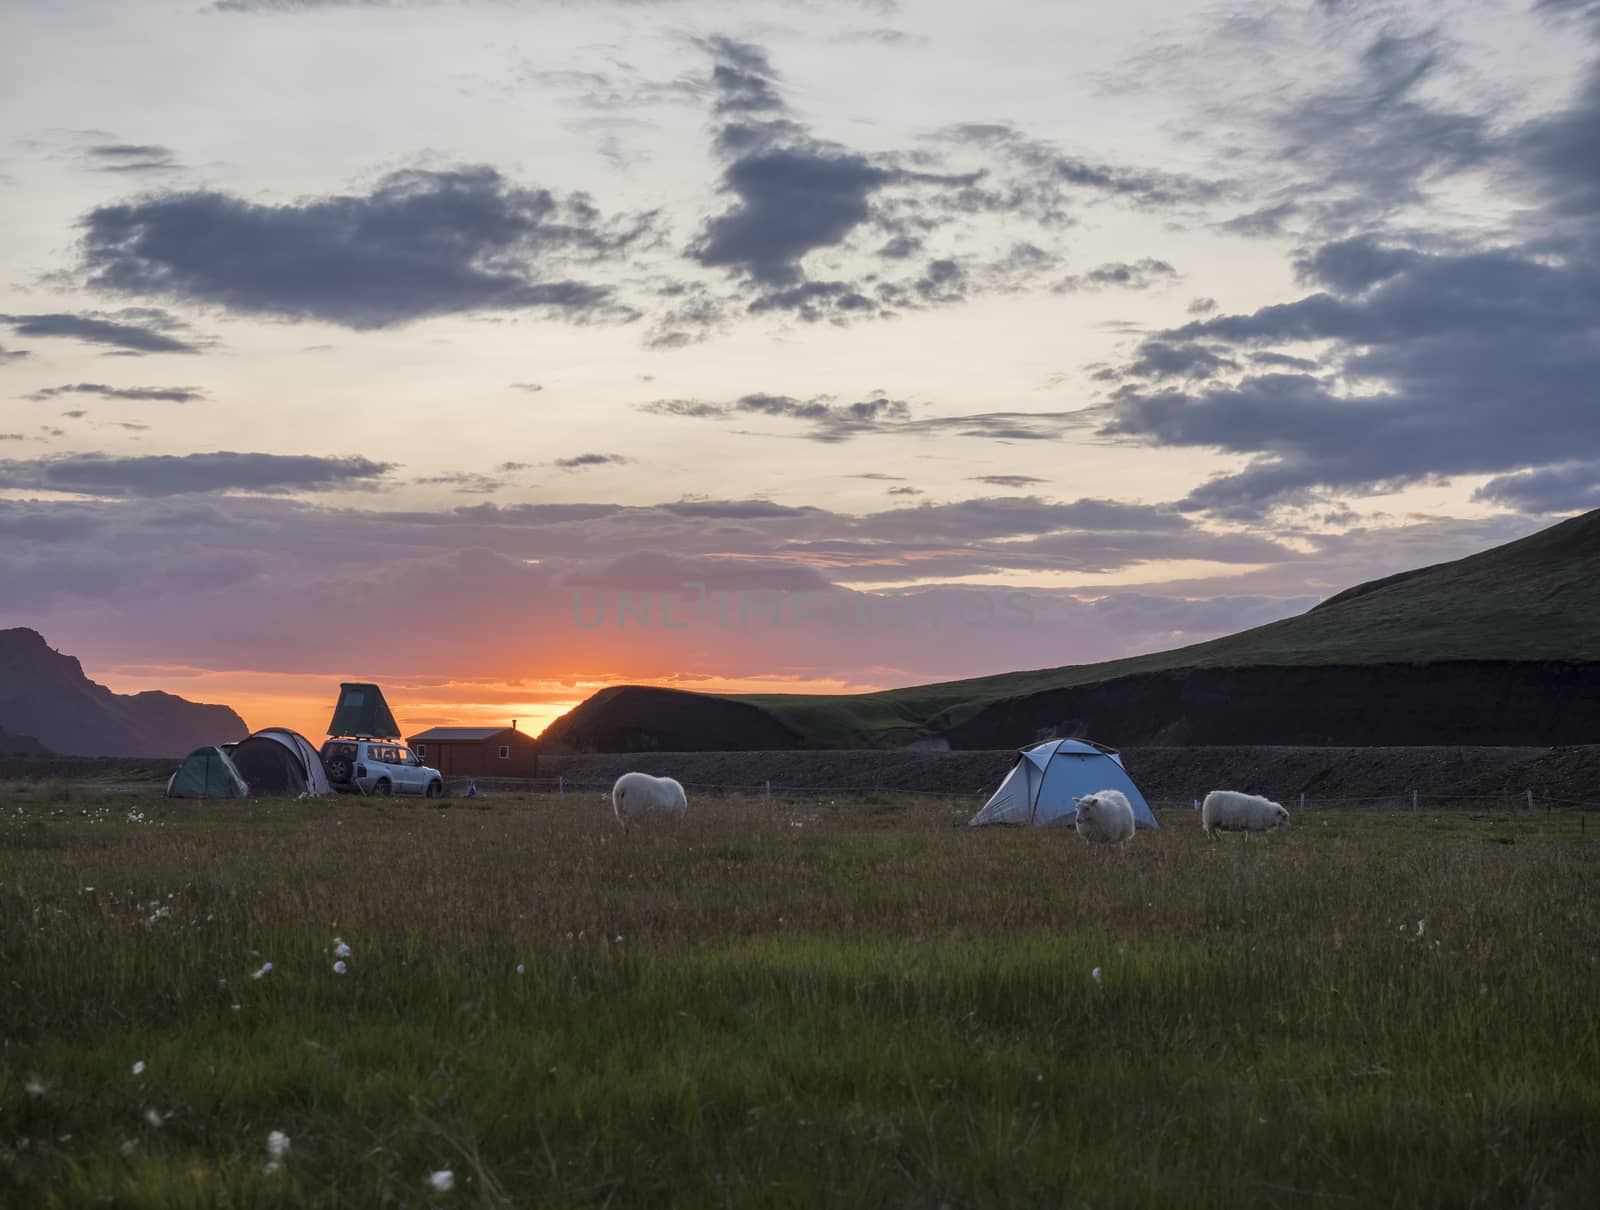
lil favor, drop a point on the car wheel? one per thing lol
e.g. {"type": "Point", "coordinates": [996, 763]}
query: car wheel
{"type": "Point", "coordinates": [338, 769]}
{"type": "Point", "coordinates": [383, 789]}
{"type": "Point", "coordinates": [435, 789]}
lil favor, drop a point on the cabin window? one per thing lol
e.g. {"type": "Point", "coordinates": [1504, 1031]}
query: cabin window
{"type": "Point", "coordinates": [505, 751]}
{"type": "Point", "coordinates": [420, 749]}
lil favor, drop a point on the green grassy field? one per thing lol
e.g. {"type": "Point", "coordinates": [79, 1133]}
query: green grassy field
{"type": "Point", "coordinates": [790, 1004]}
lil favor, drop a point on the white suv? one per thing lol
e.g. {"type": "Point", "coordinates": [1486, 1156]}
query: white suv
{"type": "Point", "coordinates": [374, 766]}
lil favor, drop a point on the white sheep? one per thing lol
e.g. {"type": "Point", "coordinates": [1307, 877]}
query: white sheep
{"type": "Point", "coordinates": [639, 794]}
{"type": "Point", "coordinates": [1105, 817]}
{"type": "Point", "coordinates": [1231, 811]}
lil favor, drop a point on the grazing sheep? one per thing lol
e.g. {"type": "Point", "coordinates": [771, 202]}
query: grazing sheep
{"type": "Point", "coordinates": [1105, 817]}
{"type": "Point", "coordinates": [639, 794]}
{"type": "Point", "coordinates": [1231, 811]}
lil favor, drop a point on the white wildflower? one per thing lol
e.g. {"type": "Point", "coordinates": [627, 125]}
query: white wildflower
{"type": "Point", "coordinates": [265, 968]}
{"type": "Point", "coordinates": [339, 968]}
{"type": "Point", "coordinates": [138, 1068]}
{"type": "Point", "coordinates": [277, 1145]}
{"type": "Point", "coordinates": [128, 1145]}
{"type": "Point", "coordinates": [1420, 925]}
{"type": "Point", "coordinates": [443, 1180]}
{"type": "Point", "coordinates": [151, 1116]}
{"type": "Point", "coordinates": [1095, 974]}
{"type": "Point", "coordinates": [340, 949]}
{"type": "Point", "coordinates": [521, 970]}
{"type": "Point", "coordinates": [35, 1086]}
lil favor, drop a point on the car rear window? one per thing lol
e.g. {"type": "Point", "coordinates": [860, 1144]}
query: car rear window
{"type": "Point", "coordinates": [331, 750]}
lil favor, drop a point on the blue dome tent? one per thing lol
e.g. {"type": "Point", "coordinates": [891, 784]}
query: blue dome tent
{"type": "Point", "coordinates": [1049, 778]}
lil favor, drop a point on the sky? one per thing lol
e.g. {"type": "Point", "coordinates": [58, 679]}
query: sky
{"type": "Point", "coordinates": [502, 350]}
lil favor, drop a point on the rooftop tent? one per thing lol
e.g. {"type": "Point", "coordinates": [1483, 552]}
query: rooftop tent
{"type": "Point", "coordinates": [1048, 779]}
{"type": "Point", "coordinates": [361, 711]}
{"type": "Point", "coordinates": [207, 773]}
{"type": "Point", "coordinates": [279, 762]}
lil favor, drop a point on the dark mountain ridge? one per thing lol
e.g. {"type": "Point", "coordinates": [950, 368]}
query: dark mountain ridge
{"type": "Point", "coordinates": [45, 694]}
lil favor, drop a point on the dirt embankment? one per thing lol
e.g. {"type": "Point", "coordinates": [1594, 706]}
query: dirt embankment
{"type": "Point", "coordinates": [1164, 774]}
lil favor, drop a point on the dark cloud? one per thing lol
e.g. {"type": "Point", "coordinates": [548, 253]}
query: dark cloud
{"type": "Point", "coordinates": [1140, 275]}
{"type": "Point", "coordinates": [582, 462]}
{"type": "Point", "coordinates": [130, 157]}
{"type": "Point", "coordinates": [134, 330]}
{"type": "Point", "coordinates": [905, 491]}
{"type": "Point", "coordinates": [174, 475]}
{"type": "Point", "coordinates": [1563, 487]}
{"type": "Point", "coordinates": [1486, 362]}
{"type": "Point", "coordinates": [790, 201]}
{"type": "Point", "coordinates": [1202, 306]}
{"type": "Point", "coordinates": [799, 207]}
{"type": "Point", "coordinates": [12, 437]}
{"type": "Point", "coordinates": [12, 354]}
{"type": "Point", "coordinates": [1009, 480]}
{"type": "Point", "coordinates": [1557, 157]}
{"type": "Point", "coordinates": [530, 387]}
{"type": "Point", "coordinates": [138, 394]}
{"type": "Point", "coordinates": [1159, 359]}
{"type": "Point", "coordinates": [421, 243]}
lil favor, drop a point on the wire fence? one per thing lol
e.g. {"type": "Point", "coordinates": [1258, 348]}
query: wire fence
{"type": "Point", "coordinates": [1526, 800]}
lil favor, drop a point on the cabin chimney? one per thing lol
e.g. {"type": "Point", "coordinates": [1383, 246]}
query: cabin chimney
{"type": "Point", "coordinates": [513, 724]}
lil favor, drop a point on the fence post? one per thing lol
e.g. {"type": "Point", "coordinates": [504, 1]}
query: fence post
{"type": "Point", "coordinates": [769, 787]}
{"type": "Point", "coordinates": [1302, 800]}
{"type": "Point", "coordinates": [1413, 800]}
{"type": "Point", "coordinates": [561, 787]}
{"type": "Point", "coordinates": [1197, 804]}
{"type": "Point", "coordinates": [1530, 800]}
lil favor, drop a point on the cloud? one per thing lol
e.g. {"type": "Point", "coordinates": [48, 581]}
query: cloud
{"type": "Point", "coordinates": [421, 243]}
{"type": "Point", "coordinates": [1562, 487]}
{"type": "Point", "coordinates": [12, 354]}
{"type": "Point", "coordinates": [820, 232]}
{"type": "Point", "coordinates": [130, 157]}
{"type": "Point", "coordinates": [138, 394]}
{"type": "Point", "coordinates": [1140, 275]}
{"type": "Point", "coordinates": [905, 491]}
{"type": "Point", "coordinates": [174, 475]}
{"type": "Point", "coordinates": [530, 387]}
{"type": "Point", "coordinates": [878, 36]}
{"type": "Point", "coordinates": [464, 482]}
{"type": "Point", "coordinates": [135, 330]}
{"type": "Point", "coordinates": [581, 462]}
{"type": "Point", "coordinates": [1046, 179]}
{"type": "Point", "coordinates": [1437, 365]}
{"type": "Point", "coordinates": [1009, 480]}
{"type": "Point", "coordinates": [830, 421]}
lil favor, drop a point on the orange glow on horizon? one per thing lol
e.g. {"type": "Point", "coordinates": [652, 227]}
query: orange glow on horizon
{"type": "Point", "coordinates": [305, 703]}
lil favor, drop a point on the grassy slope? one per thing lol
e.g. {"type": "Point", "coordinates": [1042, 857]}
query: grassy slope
{"type": "Point", "coordinates": [872, 1008]}
{"type": "Point", "coordinates": [1534, 599]}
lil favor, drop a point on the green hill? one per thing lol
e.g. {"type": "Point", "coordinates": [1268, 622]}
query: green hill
{"type": "Point", "coordinates": [1515, 629]}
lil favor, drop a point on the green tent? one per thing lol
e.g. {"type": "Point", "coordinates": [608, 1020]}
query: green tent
{"type": "Point", "coordinates": [207, 773]}
{"type": "Point", "coordinates": [362, 712]}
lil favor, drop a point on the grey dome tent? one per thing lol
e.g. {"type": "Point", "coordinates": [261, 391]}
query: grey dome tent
{"type": "Point", "coordinates": [277, 762]}
{"type": "Point", "coordinates": [1049, 778]}
{"type": "Point", "coordinates": [207, 773]}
